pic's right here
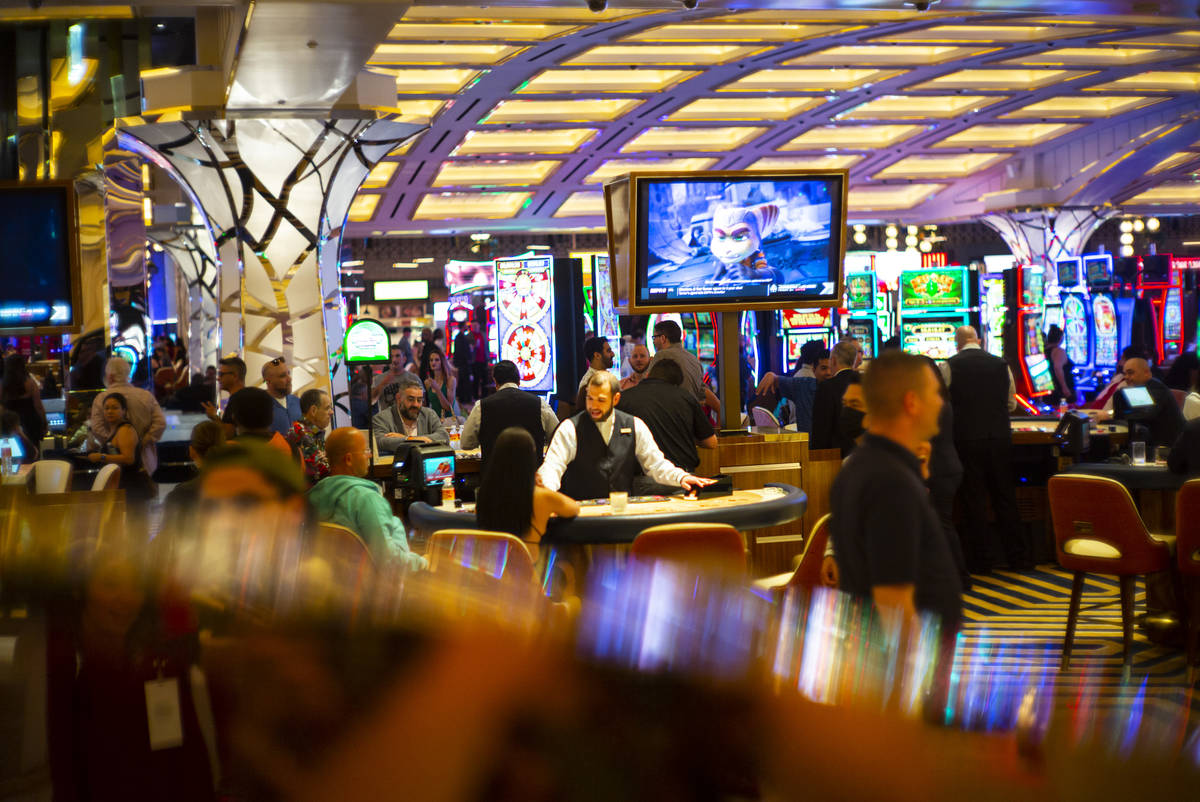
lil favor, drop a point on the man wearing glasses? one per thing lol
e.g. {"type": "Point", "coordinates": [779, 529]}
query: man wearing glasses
{"type": "Point", "coordinates": [668, 344]}
{"type": "Point", "coordinates": [231, 377]}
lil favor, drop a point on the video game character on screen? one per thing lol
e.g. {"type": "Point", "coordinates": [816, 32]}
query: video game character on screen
{"type": "Point", "coordinates": [736, 238]}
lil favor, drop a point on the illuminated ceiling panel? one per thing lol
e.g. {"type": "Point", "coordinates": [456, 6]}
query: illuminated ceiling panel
{"type": "Point", "coordinates": [702, 139]}
{"type": "Point", "coordinates": [380, 175]}
{"type": "Point", "coordinates": [472, 13]}
{"type": "Point", "coordinates": [885, 55]}
{"type": "Point", "coordinates": [618, 167]}
{"type": "Point", "coordinates": [494, 174]}
{"type": "Point", "coordinates": [661, 54]}
{"type": "Point", "coordinates": [419, 111]}
{"type": "Point", "coordinates": [582, 204]}
{"type": "Point", "coordinates": [561, 111]}
{"type": "Point", "coordinates": [907, 107]}
{"type": "Point", "coordinates": [604, 80]}
{"type": "Point", "coordinates": [1090, 106]}
{"type": "Point", "coordinates": [1109, 56]}
{"type": "Point", "coordinates": [469, 205]}
{"type": "Point", "coordinates": [448, 53]}
{"type": "Point", "coordinates": [1000, 80]}
{"type": "Point", "coordinates": [852, 137]}
{"type": "Point", "coordinates": [1175, 193]}
{"type": "Point", "coordinates": [798, 80]}
{"type": "Point", "coordinates": [474, 31]}
{"type": "Point", "coordinates": [434, 81]}
{"type": "Point", "coordinates": [1006, 136]}
{"type": "Point", "coordinates": [986, 33]}
{"type": "Point", "coordinates": [890, 198]}
{"type": "Point", "coordinates": [719, 109]}
{"type": "Point", "coordinates": [735, 32]}
{"type": "Point", "coordinates": [1173, 39]}
{"type": "Point", "coordinates": [545, 140]}
{"type": "Point", "coordinates": [362, 208]}
{"type": "Point", "coordinates": [1174, 160]}
{"type": "Point", "coordinates": [956, 166]}
{"type": "Point", "coordinates": [832, 161]}
{"type": "Point", "coordinates": [1161, 81]}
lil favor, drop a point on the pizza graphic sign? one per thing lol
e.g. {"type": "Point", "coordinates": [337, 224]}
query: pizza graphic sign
{"type": "Point", "coordinates": [525, 318]}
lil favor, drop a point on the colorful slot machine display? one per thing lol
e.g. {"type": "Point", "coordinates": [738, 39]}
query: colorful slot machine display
{"type": "Point", "coordinates": [798, 326]}
{"type": "Point", "coordinates": [525, 318]}
{"type": "Point", "coordinates": [599, 314]}
{"type": "Point", "coordinates": [933, 303]}
{"type": "Point", "coordinates": [1035, 368]}
{"type": "Point", "coordinates": [862, 322]}
{"type": "Point", "coordinates": [699, 334]}
{"type": "Point", "coordinates": [1077, 316]}
{"type": "Point", "coordinates": [1162, 287]}
{"type": "Point", "coordinates": [1111, 315]}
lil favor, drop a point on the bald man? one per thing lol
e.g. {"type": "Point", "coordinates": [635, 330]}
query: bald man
{"type": "Point", "coordinates": [982, 395]}
{"type": "Point", "coordinates": [1163, 421]}
{"type": "Point", "coordinates": [348, 499]}
{"type": "Point", "coordinates": [277, 379]}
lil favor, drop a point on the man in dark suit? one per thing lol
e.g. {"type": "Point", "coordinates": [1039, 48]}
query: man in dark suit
{"type": "Point", "coordinates": [982, 395]}
{"type": "Point", "coordinates": [508, 406]}
{"type": "Point", "coordinates": [827, 401]}
{"type": "Point", "coordinates": [1164, 420]}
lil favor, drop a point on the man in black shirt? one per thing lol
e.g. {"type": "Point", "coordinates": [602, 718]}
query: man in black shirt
{"type": "Point", "coordinates": [889, 542]}
{"type": "Point", "coordinates": [672, 413]}
{"type": "Point", "coordinates": [827, 400]}
{"type": "Point", "coordinates": [1164, 420]}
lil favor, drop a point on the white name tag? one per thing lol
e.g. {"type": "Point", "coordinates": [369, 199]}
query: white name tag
{"type": "Point", "coordinates": [163, 719]}
{"type": "Point", "coordinates": [626, 430]}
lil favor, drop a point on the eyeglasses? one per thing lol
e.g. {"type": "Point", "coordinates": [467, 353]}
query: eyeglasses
{"type": "Point", "coordinates": [276, 361]}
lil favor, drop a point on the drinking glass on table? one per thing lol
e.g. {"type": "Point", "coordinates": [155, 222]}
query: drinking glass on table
{"type": "Point", "coordinates": [1138, 451]}
{"type": "Point", "coordinates": [1160, 455]}
{"type": "Point", "coordinates": [618, 500]}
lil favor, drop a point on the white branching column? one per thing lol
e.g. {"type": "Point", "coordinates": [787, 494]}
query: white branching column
{"type": "Point", "coordinates": [192, 252]}
{"type": "Point", "coordinates": [1043, 236]}
{"type": "Point", "coordinates": [274, 194]}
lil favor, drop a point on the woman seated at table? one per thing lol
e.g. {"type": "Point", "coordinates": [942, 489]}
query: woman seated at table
{"type": "Point", "coordinates": [509, 498]}
{"type": "Point", "coordinates": [124, 448]}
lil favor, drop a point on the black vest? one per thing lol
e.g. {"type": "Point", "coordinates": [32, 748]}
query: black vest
{"type": "Point", "coordinates": [979, 393]}
{"type": "Point", "coordinates": [599, 469]}
{"type": "Point", "coordinates": [510, 407]}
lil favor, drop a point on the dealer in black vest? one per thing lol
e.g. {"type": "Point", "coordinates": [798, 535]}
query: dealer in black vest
{"type": "Point", "coordinates": [508, 406]}
{"type": "Point", "coordinates": [597, 451]}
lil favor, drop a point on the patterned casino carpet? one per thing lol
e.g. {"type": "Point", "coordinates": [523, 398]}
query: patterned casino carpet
{"type": "Point", "coordinates": [1013, 631]}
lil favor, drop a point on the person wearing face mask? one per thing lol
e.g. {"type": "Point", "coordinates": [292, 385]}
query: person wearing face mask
{"type": "Point", "coordinates": [597, 451]}
{"type": "Point", "coordinates": [851, 425]}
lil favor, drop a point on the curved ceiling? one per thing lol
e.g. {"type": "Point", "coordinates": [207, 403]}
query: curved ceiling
{"type": "Point", "coordinates": [938, 116]}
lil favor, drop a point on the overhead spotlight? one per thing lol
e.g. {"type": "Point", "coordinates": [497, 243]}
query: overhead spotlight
{"type": "Point", "coordinates": [1127, 250]}
{"type": "Point", "coordinates": [912, 229]}
{"type": "Point", "coordinates": [1152, 224]}
{"type": "Point", "coordinates": [1126, 226]}
{"type": "Point", "coordinates": [925, 245]}
{"type": "Point", "coordinates": [860, 237]}
{"type": "Point", "coordinates": [911, 240]}
{"type": "Point", "coordinates": [891, 232]}
{"type": "Point", "coordinates": [891, 243]}
{"type": "Point", "coordinates": [1127, 238]}
{"type": "Point", "coordinates": [597, 5]}
{"type": "Point", "coordinates": [1138, 225]}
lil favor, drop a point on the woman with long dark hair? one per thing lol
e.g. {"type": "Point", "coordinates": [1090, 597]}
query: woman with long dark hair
{"type": "Point", "coordinates": [20, 393]}
{"type": "Point", "coordinates": [509, 499]}
{"type": "Point", "coordinates": [439, 381]}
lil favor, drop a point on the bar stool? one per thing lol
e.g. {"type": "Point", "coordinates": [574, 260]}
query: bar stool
{"type": "Point", "coordinates": [1097, 529]}
{"type": "Point", "coordinates": [717, 545]}
{"type": "Point", "coordinates": [808, 570]}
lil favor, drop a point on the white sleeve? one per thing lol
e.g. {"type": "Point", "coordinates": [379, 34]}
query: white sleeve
{"type": "Point", "coordinates": [654, 464]}
{"type": "Point", "coordinates": [559, 455]}
{"type": "Point", "coordinates": [945, 371]}
{"type": "Point", "coordinates": [1191, 406]}
{"type": "Point", "coordinates": [1012, 392]}
{"type": "Point", "coordinates": [470, 432]}
{"type": "Point", "coordinates": [549, 419]}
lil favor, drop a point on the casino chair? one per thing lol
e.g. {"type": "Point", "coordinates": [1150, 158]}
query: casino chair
{"type": "Point", "coordinates": [498, 554]}
{"type": "Point", "coordinates": [338, 563]}
{"type": "Point", "coordinates": [1097, 529]}
{"type": "Point", "coordinates": [1187, 549]}
{"type": "Point", "coordinates": [808, 569]}
{"type": "Point", "coordinates": [716, 545]}
{"type": "Point", "coordinates": [764, 417]}
{"type": "Point", "coordinates": [51, 476]}
{"type": "Point", "coordinates": [107, 478]}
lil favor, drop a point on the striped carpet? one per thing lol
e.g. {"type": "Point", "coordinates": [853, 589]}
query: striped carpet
{"type": "Point", "coordinates": [1014, 623]}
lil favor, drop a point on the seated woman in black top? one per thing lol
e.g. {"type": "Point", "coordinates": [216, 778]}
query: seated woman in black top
{"type": "Point", "coordinates": [509, 500]}
{"type": "Point", "coordinates": [124, 449]}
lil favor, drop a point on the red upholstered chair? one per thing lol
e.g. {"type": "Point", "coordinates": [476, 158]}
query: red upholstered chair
{"type": "Point", "coordinates": [808, 571]}
{"type": "Point", "coordinates": [498, 554]}
{"type": "Point", "coordinates": [1097, 529]}
{"type": "Point", "coordinates": [716, 545]}
{"type": "Point", "coordinates": [1187, 548]}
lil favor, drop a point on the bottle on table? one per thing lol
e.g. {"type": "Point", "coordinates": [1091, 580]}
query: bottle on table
{"type": "Point", "coordinates": [448, 492]}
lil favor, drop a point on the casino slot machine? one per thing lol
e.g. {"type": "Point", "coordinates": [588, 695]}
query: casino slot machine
{"type": "Point", "coordinates": [1035, 376]}
{"type": "Point", "coordinates": [525, 319]}
{"type": "Point", "coordinates": [993, 311]}
{"type": "Point", "coordinates": [861, 318]}
{"type": "Point", "coordinates": [599, 314]}
{"type": "Point", "coordinates": [1112, 314]}
{"type": "Point", "coordinates": [933, 303]}
{"type": "Point", "coordinates": [1077, 320]}
{"type": "Point", "coordinates": [798, 326]}
{"type": "Point", "coordinates": [1161, 286]}
{"type": "Point", "coordinates": [706, 339]}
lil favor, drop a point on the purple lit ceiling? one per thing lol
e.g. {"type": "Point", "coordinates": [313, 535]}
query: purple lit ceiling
{"type": "Point", "coordinates": [939, 116]}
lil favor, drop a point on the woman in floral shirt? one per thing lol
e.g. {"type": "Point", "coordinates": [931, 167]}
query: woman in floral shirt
{"type": "Point", "coordinates": [308, 433]}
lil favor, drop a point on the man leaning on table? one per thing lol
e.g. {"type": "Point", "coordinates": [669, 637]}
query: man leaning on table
{"type": "Point", "coordinates": [597, 451]}
{"type": "Point", "coordinates": [408, 419]}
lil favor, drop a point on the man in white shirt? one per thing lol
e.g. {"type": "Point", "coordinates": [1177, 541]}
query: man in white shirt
{"type": "Point", "coordinates": [967, 339]}
{"type": "Point", "coordinates": [596, 452]}
{"type": "Point", "coordinates": [144, 412]}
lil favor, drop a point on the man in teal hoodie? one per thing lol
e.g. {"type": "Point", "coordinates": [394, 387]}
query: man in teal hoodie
{"type": "Point", "coordinates": [348, 499]}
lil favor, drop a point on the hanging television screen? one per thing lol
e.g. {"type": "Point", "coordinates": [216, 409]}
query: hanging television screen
{"type": "Point", "coordinates": [40, 258]}
{"type": "Point", "coordinates": [731, 240]}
